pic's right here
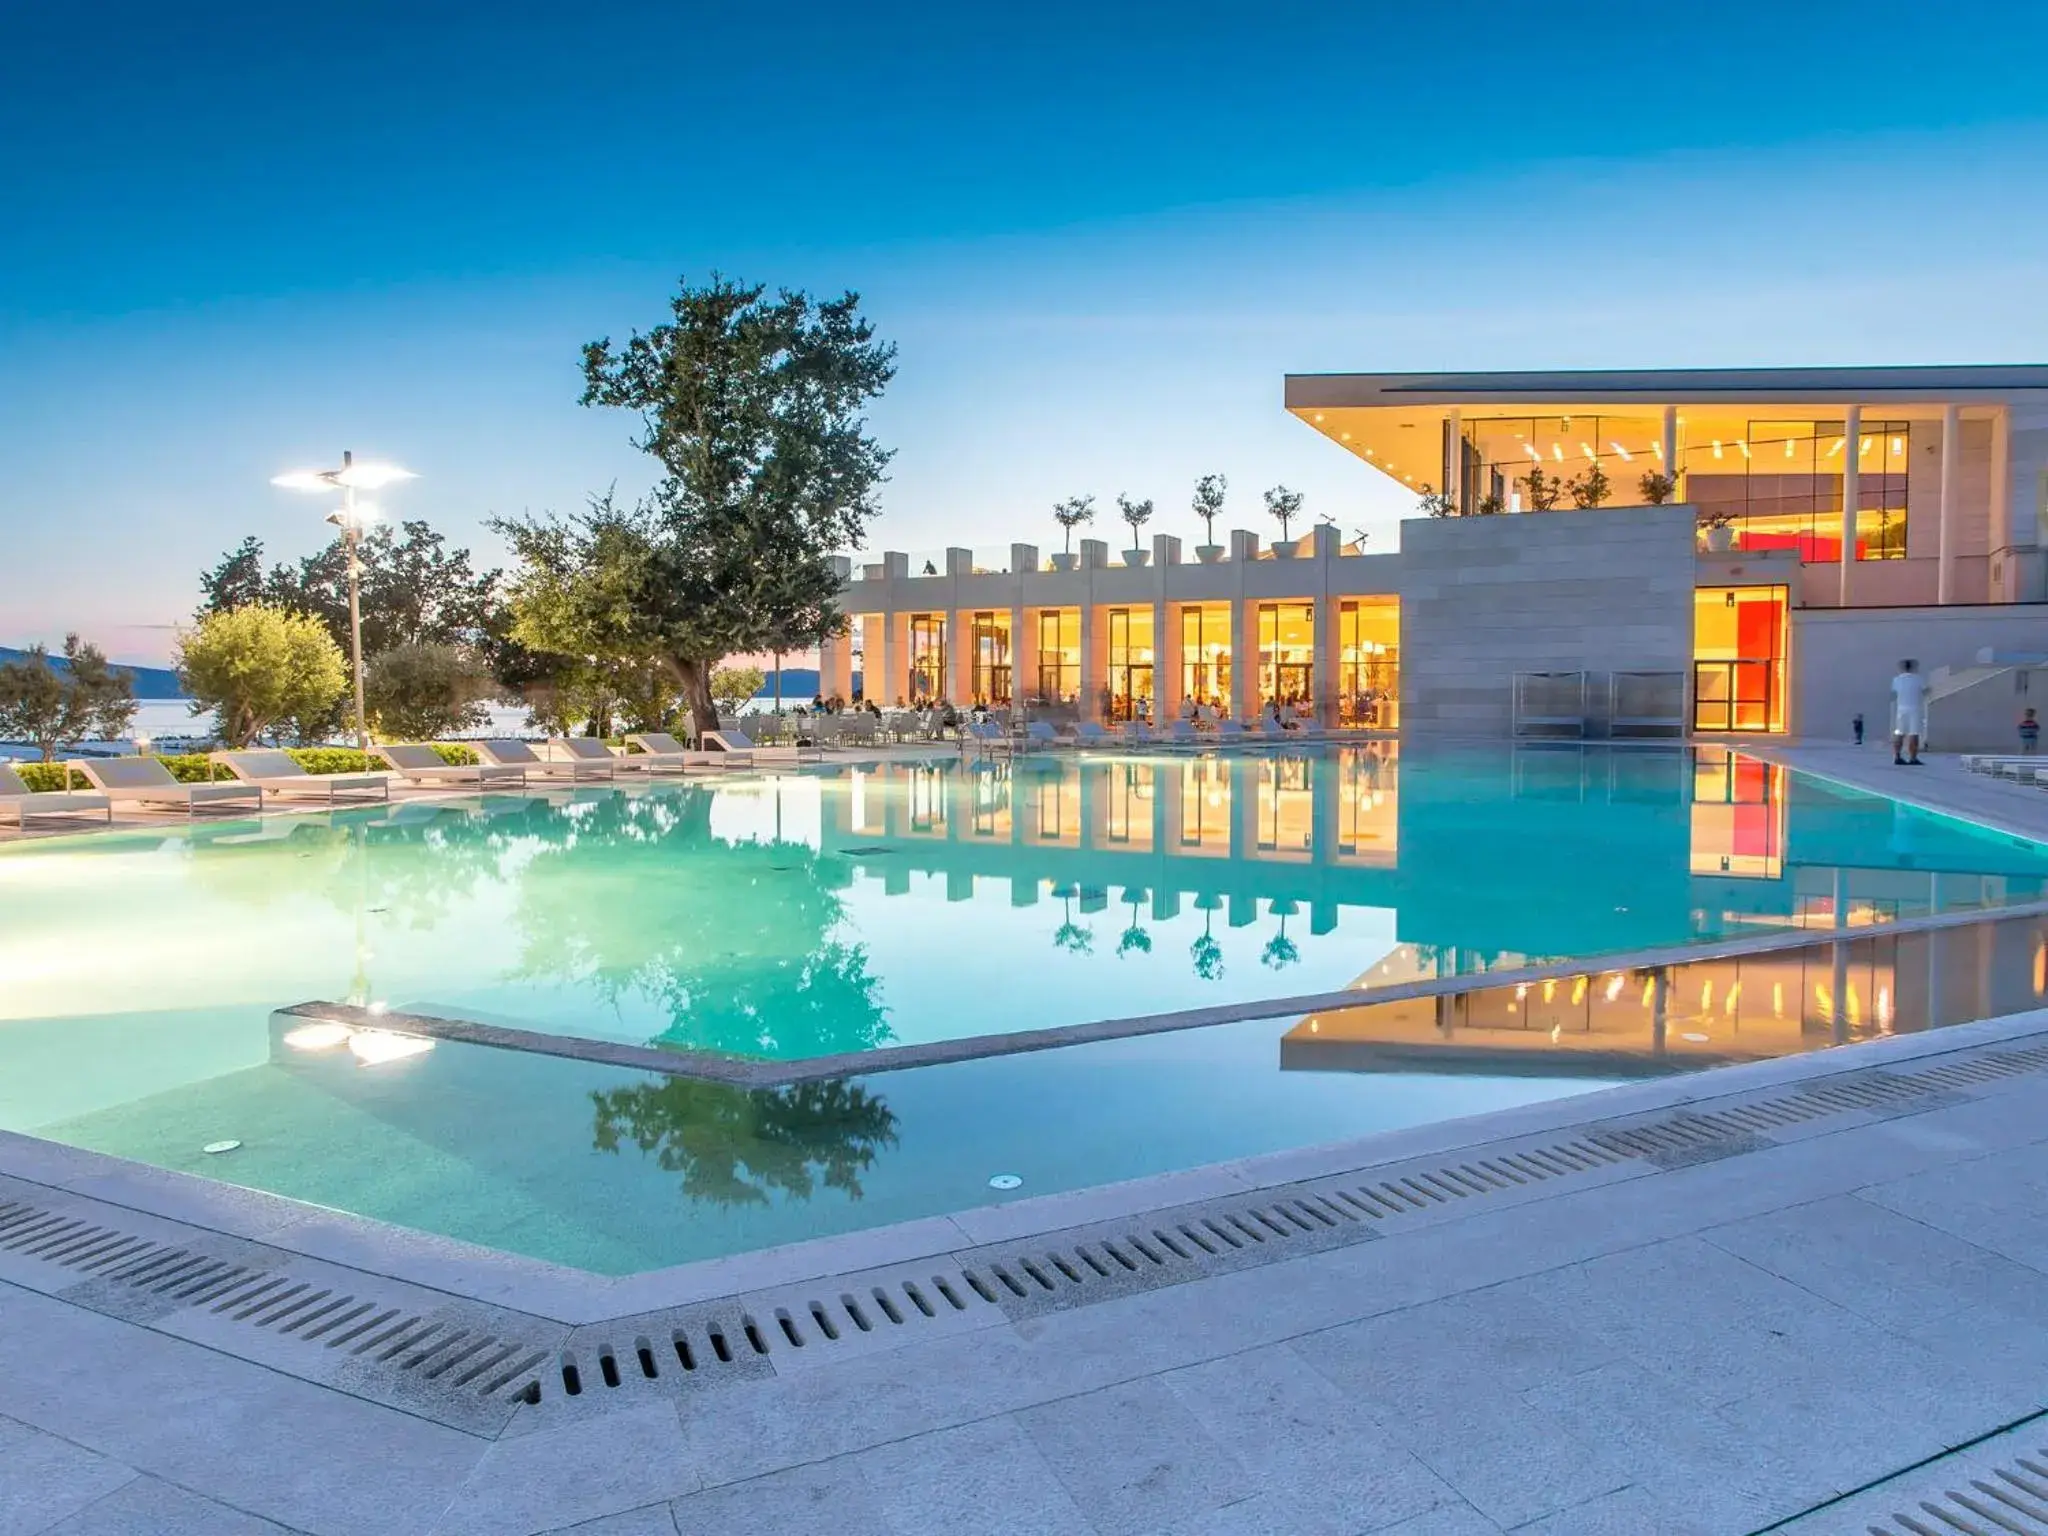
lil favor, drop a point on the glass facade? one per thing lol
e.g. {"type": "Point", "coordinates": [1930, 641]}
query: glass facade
{"type": "Point", "coordinates": [1205, 654]}
{"type": "Point", "coordinates": [1780, 483]}
{"type": "Point", "coordinates": [927, 658]}
{"type": "Point", "coordinates": [1287, 652]}
{"type": "Point", "coordinates": [990, 683]}
{"type": "Point", "coordinates": [1369, 663]}
{"type": "Point", "coordinates": [1059, 655]}
{"type": "Point", "coordinates": [1130, 664]}
{"type": "Point", "coordinates": [1777, 481]}
{"type": "Point", "coordinates": [1739, 659]}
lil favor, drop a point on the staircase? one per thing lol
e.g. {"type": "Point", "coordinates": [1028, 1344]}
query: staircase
{"type": "Point", "coordinates": [1944, 682]}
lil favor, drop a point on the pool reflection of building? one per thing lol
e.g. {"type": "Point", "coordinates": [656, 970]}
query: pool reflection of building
{"type": "Point", "coordinates": [1718, 843]}
{"type": "Point", "coordinates": [1646, 1022]}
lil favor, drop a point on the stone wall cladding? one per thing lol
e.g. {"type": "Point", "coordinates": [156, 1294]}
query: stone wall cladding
{"type": "Point", "coordinates": [1483, 598]}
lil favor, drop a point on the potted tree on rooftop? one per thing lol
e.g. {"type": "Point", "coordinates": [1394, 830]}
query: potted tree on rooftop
{"type": "Point", "coordinates": [1208, 507]}
{"type": "Point", "coordinates": [1070, 514]}
{"type": "Point", "coordinates": [1137, 514]}
{"type": "Point", "coordinates": [1284, 506]}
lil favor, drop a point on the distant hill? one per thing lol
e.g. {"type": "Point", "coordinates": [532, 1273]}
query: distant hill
{"type": "Point", "coordinates": [150, 682]}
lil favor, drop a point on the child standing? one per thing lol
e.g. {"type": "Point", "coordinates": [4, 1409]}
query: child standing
{"type": "Point", "coordinates": [2030, 732]}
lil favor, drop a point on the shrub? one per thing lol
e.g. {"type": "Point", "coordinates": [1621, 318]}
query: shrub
{"type": "Point", "coordinates": [419, 691]}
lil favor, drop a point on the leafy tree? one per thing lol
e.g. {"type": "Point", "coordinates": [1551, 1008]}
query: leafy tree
{"type": "Point", "coordinates": [1209, 503]}
{"type": "Point", "coordinates": [257, 667]}
{"type": "Point", "coordinates": [1280, 950]}
{"type": "Point", "coordinates": [586, 611]}
{"type": "Point", "coordinates": [1073, 513]}
{"type": "Point", "coordinates": [740, 1146]}
{"type": "Point", "coordinates": [733, 686]}
{"type": "Point", "coordinates": [415, 589]}
{"type": "Point", "coordinates": [1544, 489]}
{"type": "Point", "coordinates": [1134, 939]}
{"type": "Point", "coordinates": [1136, 513]}
{"type": "Point", "coordinates": [1283, 506]}
{"type": "Point", "coordinates": [1657, 487]}
{"type": "Point", "coordinates": [47, 707]}
{"type": "Point", "coordinates": [420, 691]}
{"type": "Point", "coordinates": [236, 582]}
{"type": "Point", "coordinates": [1436, 503]}
{"type": "Point", "coordinates": [753, 407]}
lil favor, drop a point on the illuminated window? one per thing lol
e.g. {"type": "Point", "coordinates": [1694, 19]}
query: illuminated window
{"type": "Point", "coordinates": [1739, 659]}
{"type": "Point", "coordinates": [1369, 664]}
{"type": "Point", "coordinates": [1205, 655]}
{"type": "Point", "coordinates": [991, 666]}
{"type": "Point", "coordinates": [1287, 649]}
{"type": "Point", "coordinates": [1059, 655]}
{"type": "Point", "coordinates": [1130, 663]}
{"type": "Point", "coordinates": [927, 657]}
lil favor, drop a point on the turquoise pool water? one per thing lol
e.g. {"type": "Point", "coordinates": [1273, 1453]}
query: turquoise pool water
{"type": "Point", "coordinates": [852, 907]}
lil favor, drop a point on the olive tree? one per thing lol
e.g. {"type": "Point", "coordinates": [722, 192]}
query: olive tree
{"type": "Point", "coordinates": [257, 668]}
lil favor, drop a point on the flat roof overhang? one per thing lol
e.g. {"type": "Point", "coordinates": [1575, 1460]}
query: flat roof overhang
{"type": "Point", "coordinates": [1394, 421]}
{"type": "Point", "coordinates": [1584, 389]}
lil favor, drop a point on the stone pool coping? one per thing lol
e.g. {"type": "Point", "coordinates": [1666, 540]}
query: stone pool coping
{"type": "Point", "coordinates": [562, 1294]}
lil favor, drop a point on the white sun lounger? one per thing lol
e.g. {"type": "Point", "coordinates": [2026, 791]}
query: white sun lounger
{"type": "Point", "coordinates": [1039, 733]}
{"type": "Point", "coordinates": [1088, 734]}
{"type": "Point", "coordinates": [733, 739]}
{"type": "Point", "coordinates": [659, 747]}
{"type": "Point", "coordinates": [276, 773]}
{"type": "Point", "coordinates": [146, 781]}
{"type": "Point", "coordinates": [18, 800]}
{"type": "Point", "coordinates": [421, 764]}
{"type": "Point", "coordinates": [517, 754]}
{"type": "Point", "coordinates": [588, 749]}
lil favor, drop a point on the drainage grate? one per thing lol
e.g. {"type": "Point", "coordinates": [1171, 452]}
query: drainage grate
{"type": "Point", "coordinates": [1995, 1487]}
{"type": "Point", "coordinates": [140, 1279]}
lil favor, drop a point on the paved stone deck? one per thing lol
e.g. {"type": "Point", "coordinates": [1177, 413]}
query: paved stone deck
{"type": "Point", "coordinates": [1763, 1338]}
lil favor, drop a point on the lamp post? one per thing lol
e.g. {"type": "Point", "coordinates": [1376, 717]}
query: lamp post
{"type": "Point", "coordinates": [349, 479]}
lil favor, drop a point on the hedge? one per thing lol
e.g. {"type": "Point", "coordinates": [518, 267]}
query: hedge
{"type": "Point", "coordinates": [197, 768]}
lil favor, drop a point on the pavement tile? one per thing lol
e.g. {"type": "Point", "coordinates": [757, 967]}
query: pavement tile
{"type": "Point", "coordinates": [985, 1479]}
{"type": "Point", "coordinates": [47, 1478]}
{"type": "Point", "coordinates": [242, 1434]}
{"type": "Point", "coordinates": [1134, 1457]}
{"type": "Point", "coordinates": [1890, 1268]}
{"type": "Point", "coordinates": [647, 1520]}
{"type": "Point", "coordinates": [606, 1465]}
{"type": "Point", "coordinates": [1315, 1460]}
{"type": "Point", "coordinates": [830, 1496]}
{"type": "Point", "coordinates": [1625, 1512]}
{"type": "Point", "coordinates": [149, 1507]}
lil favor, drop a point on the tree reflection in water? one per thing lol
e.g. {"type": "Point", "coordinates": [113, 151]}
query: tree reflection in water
{"type": "Point", "coordinates": [741, 1146]}
{"type": "Point", "coordinates": [734, 940]}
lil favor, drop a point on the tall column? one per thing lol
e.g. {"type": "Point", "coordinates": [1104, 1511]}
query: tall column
{"type": "Point", "coordinates": [1166, 669]}
{"type": "Point", "coordinates": [1454, 461]}
{"type": "Point", "coordinates": [2007, 585]}
{"type": "Point", "coordinates": [1023, 655]}
{"type": "Point", "coordinates": [1244, 661]}
{"type": "Point", "coordinates": [1951, 502]}
{"type": "Point", "coordinates": [874, 680]}
{"type": "Point", "coordinates": [835, 667]}
{"type": "Point", "coordinates": [1324, 689]}
{"type": "Point", "coordinates": [894, 681]}
{"type": "Point", "coordinates": [1852, 492]}
{"type": "Point", "coordinates": [1670, 465]}
{"type": "Point", "coordinates": [959, 682]}
{"type": "Point", "coordinates": [1094, 664]}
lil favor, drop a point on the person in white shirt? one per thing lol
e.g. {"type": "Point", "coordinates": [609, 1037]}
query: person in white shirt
{"type": "Point", "coordinates": [1909, 715]}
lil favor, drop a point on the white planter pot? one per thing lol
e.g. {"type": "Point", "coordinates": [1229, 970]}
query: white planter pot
{"type": "Point", "coordinates": [1285, 549]}
{"type": "Point", "coordinates": [1208, 554]}
{"type": "Point", "coordinates": [1136, 557]}
{"type": "Point", "coordinates": [1065, 562]}
{"type": "Point", "coordinates": [1720, 540]}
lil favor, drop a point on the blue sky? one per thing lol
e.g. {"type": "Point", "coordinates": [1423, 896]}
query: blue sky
{"type": "Point", "coordinates": [242, 238]}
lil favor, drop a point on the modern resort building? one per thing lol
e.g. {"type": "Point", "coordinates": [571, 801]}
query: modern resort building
{"type": "Point", "coordinates": [1727, 551]}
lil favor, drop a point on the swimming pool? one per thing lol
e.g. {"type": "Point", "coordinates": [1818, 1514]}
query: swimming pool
{"type": "Point", "coordinates": [856, 906]}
